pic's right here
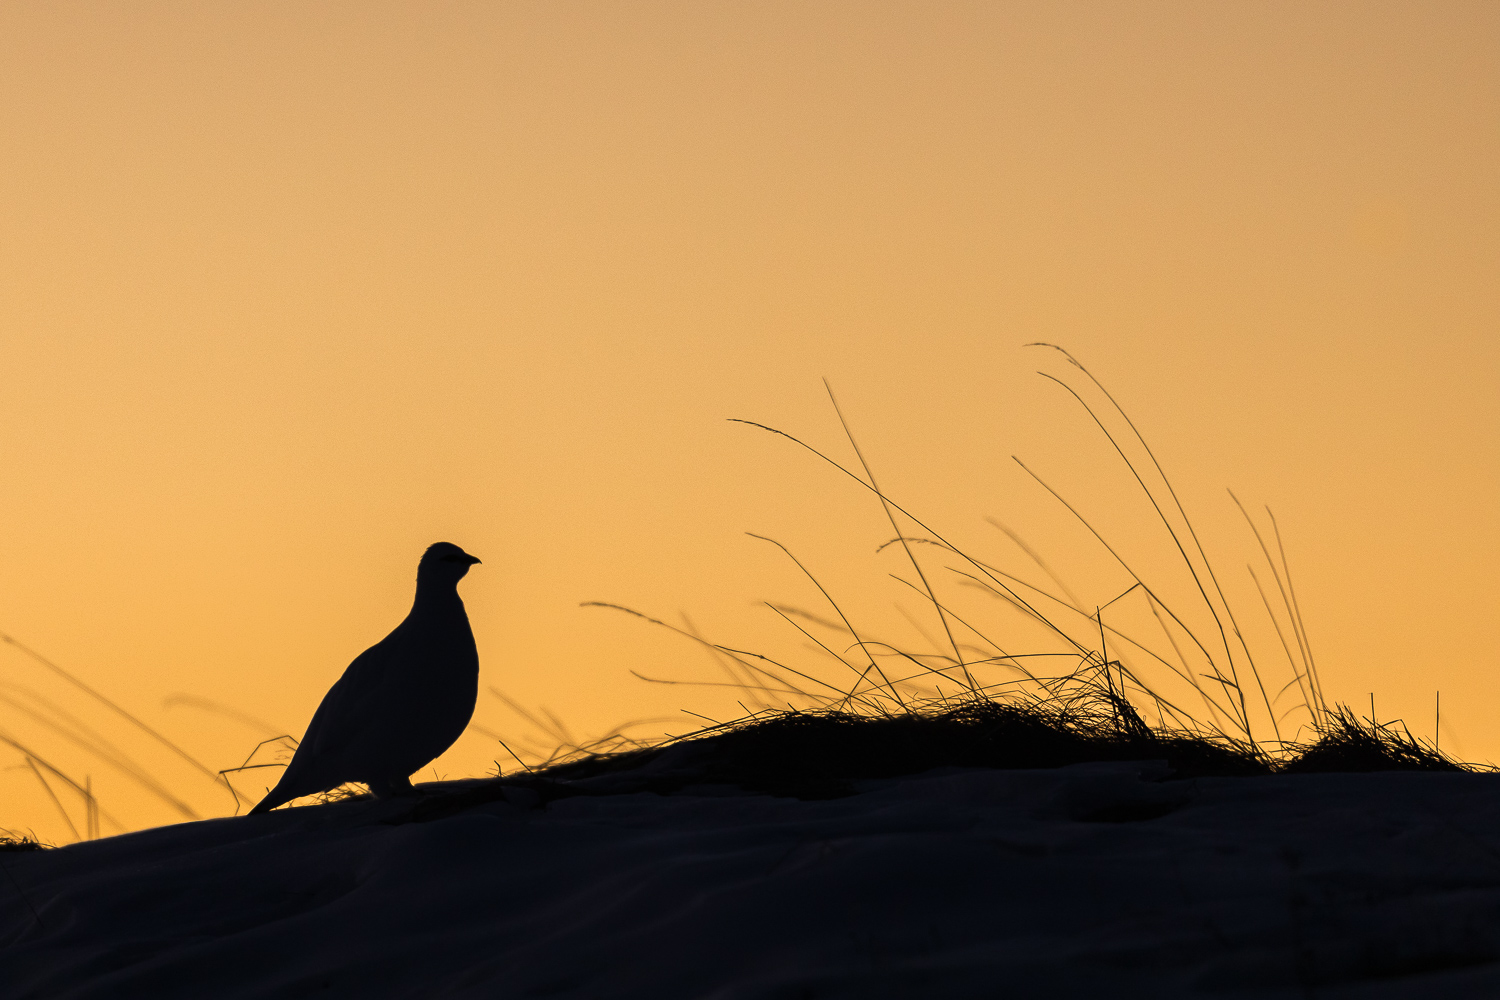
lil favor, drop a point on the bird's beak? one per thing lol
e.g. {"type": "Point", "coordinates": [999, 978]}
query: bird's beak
{"type": "Point", "coordinates": [474, 559]}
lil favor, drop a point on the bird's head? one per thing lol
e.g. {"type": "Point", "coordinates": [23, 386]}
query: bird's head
{"type": "Point", "coordinates": [444, 561]}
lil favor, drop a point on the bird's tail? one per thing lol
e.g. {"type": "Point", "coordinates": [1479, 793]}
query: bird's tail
{"type": "Point", "coordinates": [265, 805]}
{"type": "Point", "coordinates": [275, 797]}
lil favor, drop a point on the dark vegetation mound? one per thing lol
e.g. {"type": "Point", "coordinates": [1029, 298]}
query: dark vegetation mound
{"type": "Point", "coordinates": [823, 754]}
{"type": "Point", "coordinates": [1347, 744]}
{"type": "Point", "coordinates": [816, 754]}
{"type": "Point", "coordinates": [819, 754]}
{"type": "Point", "coordinates": [11, 844]}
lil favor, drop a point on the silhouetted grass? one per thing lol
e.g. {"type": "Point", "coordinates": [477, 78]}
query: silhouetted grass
{"type": "Point", "coordinates": [15, 844]}
{"type": "Point", "coordinates": [1347, 743]}
{"type": "Point", "coordinates": [819, 754]}
{"type": "Point", "coordinates": [899, 712]}
{"type": "Point", "coordinates": [880, 677]}
{"type": "Point", "coordinates": [826, 753]}
{"type": "Point", "coordinates": [70, 787]}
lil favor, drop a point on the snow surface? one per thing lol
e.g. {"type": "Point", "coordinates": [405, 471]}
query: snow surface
{"type": "Point", "coordinates": [1090, 880]}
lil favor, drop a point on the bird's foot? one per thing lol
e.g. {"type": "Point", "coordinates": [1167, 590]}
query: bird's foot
{"type": "Point", "coordinates": [393, 788]}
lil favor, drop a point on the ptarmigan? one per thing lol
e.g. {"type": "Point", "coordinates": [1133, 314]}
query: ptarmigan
{"type": "Point", "coordinates": [401, 702]}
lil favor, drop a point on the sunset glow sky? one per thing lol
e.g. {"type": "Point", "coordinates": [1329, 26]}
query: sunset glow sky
{"type": "Point", "coordinates": [289, 291]}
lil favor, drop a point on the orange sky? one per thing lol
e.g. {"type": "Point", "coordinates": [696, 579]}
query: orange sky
{"type": "Point", "coordinates": [289, 291]}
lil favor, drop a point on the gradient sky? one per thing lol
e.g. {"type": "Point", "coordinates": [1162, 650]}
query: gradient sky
{"type": "Point", "coordinates": [289, 291]}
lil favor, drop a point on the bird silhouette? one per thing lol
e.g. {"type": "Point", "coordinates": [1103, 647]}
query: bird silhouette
{"type": "Point", "coordinates": [402, 702]}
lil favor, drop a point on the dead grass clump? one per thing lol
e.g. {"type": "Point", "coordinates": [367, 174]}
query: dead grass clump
{"type": "Point", "coordinates": [1057, 683]}
{"type": "Point", "coordinates": [821, 754]}
{"type": "Point", "coordinates": [1347, 743]}
{"type": "Point", "coordinates": [818, 754]}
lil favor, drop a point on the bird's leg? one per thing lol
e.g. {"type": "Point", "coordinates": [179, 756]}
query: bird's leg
{"type": "Point", "coordinates": [393, 787]}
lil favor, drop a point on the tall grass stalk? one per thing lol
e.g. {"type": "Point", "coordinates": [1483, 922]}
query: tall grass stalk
{"type": "Point", "coordinates": [968, 660]}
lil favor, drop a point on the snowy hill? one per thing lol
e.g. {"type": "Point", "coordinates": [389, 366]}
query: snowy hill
{"type": "Point", "coordinates": [1089, 880]}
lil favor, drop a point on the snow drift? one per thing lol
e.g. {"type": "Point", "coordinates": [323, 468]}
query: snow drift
{"type": "Point", "coordinates": [1077, 881]}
